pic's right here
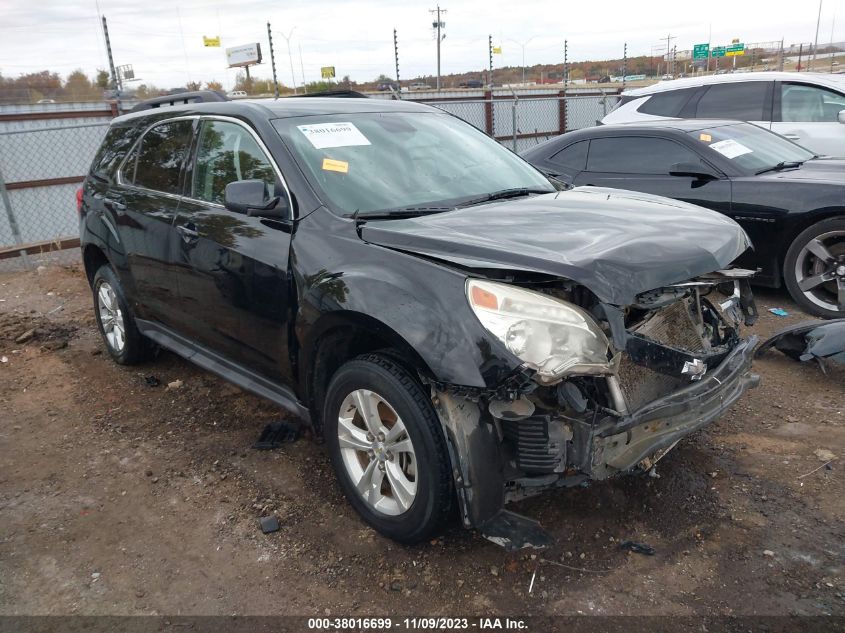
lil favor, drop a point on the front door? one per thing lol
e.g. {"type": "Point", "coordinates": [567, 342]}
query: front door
{"type": "Point", "coordinates": [643, 164]}
{"type": "Point", "coordinates": [233, 269]}
{"type": "Point", "coordinates": [808, 115]}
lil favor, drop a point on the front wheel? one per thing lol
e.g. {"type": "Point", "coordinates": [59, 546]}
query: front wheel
{"type": "Point", "coordinates": [814, 269]}
{"type": "Point", "coordinates": [387, 448]}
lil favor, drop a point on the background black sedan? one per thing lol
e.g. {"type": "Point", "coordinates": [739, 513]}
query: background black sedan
{"type": "Point", "coordinates": [790, 201]}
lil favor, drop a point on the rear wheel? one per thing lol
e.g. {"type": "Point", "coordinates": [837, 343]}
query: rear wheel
{"type": "Point", "coordinates": [115, 321]}
{"type": "Point", "coordinates": [387, 448]}
{"type": "Point", "coordinates": [814, 269]}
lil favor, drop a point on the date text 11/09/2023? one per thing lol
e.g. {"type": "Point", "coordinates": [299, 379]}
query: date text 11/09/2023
{"type": "Point", "coordinates": [424, 623]}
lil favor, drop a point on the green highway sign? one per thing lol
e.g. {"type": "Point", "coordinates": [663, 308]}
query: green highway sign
{"type": "Point", "coordinates": [701, 51]}
{"type": "Point", "coordinates": [735, 49]}
{"type": "Point", "coordinates": [717, 51]}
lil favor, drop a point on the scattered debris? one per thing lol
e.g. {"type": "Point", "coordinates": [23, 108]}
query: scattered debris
{"type": "Point", "coordinates": [152, 381]}
{"type": "Point", "coordinates": [269, 524]}
{"type": "Point", "coordinates": [825, 465]}
{"type": "Point", "coordinates": [820, 340]}
{"type": "Point", "coordinates": [4, 359]}
{"type": "Point", "coordinates": [570, 567]}
{"type": "Point", "coordinates": [176, 384]}
{"type": "Point", "coordinates": [779, 312]}
{"type": "Point", "coordinates": [769, 553]}
{"type": "Point", "coordinates": [637, 548]}
{"type": "Point", "coordinates": [275, 434]}
{"type": "Point", "coordinates": [25, 337]}
{"type": "Point", "coordinates": [824, 455]}
{"type": "Point", "coordinates": [531, 584]}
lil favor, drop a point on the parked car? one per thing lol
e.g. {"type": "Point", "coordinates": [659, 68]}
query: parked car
{"type": "Point", "coordinates": [808, 108]}
{"type": "Point", "coordinates": [237, 94]}
{"type": "Point", "coordinates": [419, 86]}
{"type": "Point", "coordinates": [472, 83]}
{"type": "Point", "coordinates": [457, 329]}
{"type": "Point", "coordinates": [790, 202]}
{"type": "Point", "coordinates": [387, 86]}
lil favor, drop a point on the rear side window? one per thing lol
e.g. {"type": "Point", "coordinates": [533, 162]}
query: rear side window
{"type": "Point", "coordinates": [668, 103]}
{"type": "Point", "coordinates": [157, 161]}
{"type": "Point", "coordinates": [573, 157]}
{"type": "Point", "coordinates": [637, 155]}
{"type": "Point", "coordinates": [745, 101]}
{"type": "Point", "coordinates": [118, 141]}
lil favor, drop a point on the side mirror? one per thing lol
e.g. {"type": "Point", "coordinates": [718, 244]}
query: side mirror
{"type": "Point", "coordinates": [841, 116]}
{"type": "Point", "coordinates": [692, 170]}
{"type": "Point", "coordinates": [250, 198]}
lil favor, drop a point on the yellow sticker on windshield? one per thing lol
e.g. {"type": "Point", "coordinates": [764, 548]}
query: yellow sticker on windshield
{"type": "Point", "coordinates": [705, 137]}
{"type": "Point", "coordinates": [330, 164]}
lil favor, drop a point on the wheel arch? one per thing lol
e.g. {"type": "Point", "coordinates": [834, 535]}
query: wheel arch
{"type": "Point", "coordinates": [93, 257]}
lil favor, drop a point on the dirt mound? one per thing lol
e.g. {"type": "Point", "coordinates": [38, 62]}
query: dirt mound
{"type": "Point", "coordinates": [22, 329]}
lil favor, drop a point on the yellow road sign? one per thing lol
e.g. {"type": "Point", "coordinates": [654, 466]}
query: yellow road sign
{"type": "Point", "coordinates": [497, 50]}
{"type": "Point", "coordinates": [211, 41]}
{"type": "Point", "coordinates": [327, 72]}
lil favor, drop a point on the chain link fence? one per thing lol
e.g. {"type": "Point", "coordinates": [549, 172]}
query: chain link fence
{"type": "Point", "coordinates": [41, 168]}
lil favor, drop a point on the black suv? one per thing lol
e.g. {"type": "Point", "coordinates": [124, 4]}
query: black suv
{"type": "Point", "coordinates": [456, 328]}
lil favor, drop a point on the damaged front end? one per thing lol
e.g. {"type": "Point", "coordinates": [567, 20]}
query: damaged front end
{"type": "Point", "coordinates": [604, 389]}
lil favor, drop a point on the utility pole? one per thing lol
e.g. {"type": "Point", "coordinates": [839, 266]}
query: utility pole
{"type": "Point", "coordinates": [273, 62]}
{"type": "Point", "coordinates": [832, 26]}
{"type": "Point", "coordinates": [624, 64]}
{"type": "Point", "coordinates": [490, 55]}
{"type": "Point", "coordinates": [780, 56]}
{"type": "Point", "coordinates": [669, 39]}
{"type": "Point", "coordinates": [290, 57]}
{"type": "Point", "coordinates": [800, 52]}
{"type": "Point", "coordinates": [816, 44]}
{"type": "Point", "coordinates": [674, 57]}
{"type": "Point", "coordinates": [565, 64]}
{"type": "Point", "coordinates": [438, 25]}
{"type": "Point", "coordinates": [115, 80]}
{"type": "Point", "coordinates": [522, 45]}
{"type": "Point", "coordinates": [396, 56]}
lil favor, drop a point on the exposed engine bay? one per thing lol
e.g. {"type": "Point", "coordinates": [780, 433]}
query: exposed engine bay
{"type": "Point", "coordinates": [675, 361]}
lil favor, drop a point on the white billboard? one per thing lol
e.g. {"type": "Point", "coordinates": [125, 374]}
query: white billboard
{"type": "Point", "coordinates": [244, 55]}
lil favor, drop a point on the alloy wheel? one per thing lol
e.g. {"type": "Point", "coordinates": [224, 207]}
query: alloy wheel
{"type": "Point", "coordinates": [820, 270]}
{"type": "Point", "coordinates": [111, 317]}
{"type": "Point", "coordinates": [377, 452]}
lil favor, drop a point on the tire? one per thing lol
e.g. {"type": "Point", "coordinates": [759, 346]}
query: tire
{"type": "Point", "coordinates": [378, 383]}
{"type": "Point", "coordinates": [130, 347]}
{"type": "Point", "coordinates": [818, 250]}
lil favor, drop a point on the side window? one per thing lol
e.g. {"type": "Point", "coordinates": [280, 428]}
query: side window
{"type": "Point", "coordinates": [637, 155]}
{"type": "Point", "coordinates": [160, 156]}
{"type": "Point", "coordinates": [745, 101]}
{"type": "Point", "coordinates": [667, 103]}
{"type": "Point", "coordinates": [227, 153]}
{"type": "Point", "coordinates": [573, 157]}
{"type": "Point", "coordinates": [804, 103]}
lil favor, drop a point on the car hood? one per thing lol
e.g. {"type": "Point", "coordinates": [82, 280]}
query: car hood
{"type": "Point", "coordinates": [616, 243]}
{"type": "Point", "coordinates": [821, 170]}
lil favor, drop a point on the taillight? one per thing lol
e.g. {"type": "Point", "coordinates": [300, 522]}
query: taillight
{"type": "Point", "coordinates": [79, 201]}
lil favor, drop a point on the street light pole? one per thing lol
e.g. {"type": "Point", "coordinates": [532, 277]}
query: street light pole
{"type": "Point", "coordinates": [523, 45]}
{"type": "Point", "coordinates": [290, 57]}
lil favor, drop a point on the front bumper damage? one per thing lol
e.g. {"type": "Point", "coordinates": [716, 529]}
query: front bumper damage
{"type": "Point", "coordinates": [497, 460]}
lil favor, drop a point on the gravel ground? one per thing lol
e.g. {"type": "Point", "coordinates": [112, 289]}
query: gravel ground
{"type": "Point", "coordinates": [117, 497]}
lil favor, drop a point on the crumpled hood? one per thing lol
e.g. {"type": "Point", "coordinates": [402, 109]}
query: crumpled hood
{"type": "Point", "coordinates": [616, 243]}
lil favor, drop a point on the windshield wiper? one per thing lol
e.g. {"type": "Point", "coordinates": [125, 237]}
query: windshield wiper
{"type": "Point", "coordinates": [503, 194]}
{"type": "Point", "coordinates": [395, 214]}
{"type": "Point", "coordinates": [784, 164]}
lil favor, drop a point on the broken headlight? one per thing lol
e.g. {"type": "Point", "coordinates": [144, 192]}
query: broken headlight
{"type": "Point", "coordinates": [553, 337]}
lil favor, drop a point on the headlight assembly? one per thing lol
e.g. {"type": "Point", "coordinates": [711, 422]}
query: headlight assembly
{"type": "Point", "coordinates": [553, 337]}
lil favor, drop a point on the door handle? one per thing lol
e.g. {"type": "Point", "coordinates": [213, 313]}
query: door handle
{"type": "Point", "coordinates": [189, 233]}
{"type": "Point", "coordinates": [792, 136]}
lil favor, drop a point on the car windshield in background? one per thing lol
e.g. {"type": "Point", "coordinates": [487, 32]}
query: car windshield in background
{"type": "Point", "coordinates": [402, 161]}
{"type": "Point", "coordinates": [751, 147]}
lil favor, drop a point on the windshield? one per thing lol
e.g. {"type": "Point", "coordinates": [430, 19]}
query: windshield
{"type": "Point", "coordinates": [750, 147]}
{"type": "Point", "coordinates": [399, 160]}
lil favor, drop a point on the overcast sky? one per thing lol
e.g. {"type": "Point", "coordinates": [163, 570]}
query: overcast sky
{"type": "Point", "coordinates": [163, 38]}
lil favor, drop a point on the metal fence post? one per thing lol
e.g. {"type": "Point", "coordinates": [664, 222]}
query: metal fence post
{"type": "Point", "coordinates": [13, 222]}
{"type": "Point", "coordinates": [513, 114]}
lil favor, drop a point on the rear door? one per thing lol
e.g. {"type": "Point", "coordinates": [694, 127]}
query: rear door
{"type": "Point", "coordinates": [642, 163]}
{"type": "Point", "coordinates": [233, 269]}
{"type": "Point", "coordinates": [740, 100]}
{"type": "Point", "coordinates": [144, 203]}
{"type": "Point", "coordinates": [808, 115]}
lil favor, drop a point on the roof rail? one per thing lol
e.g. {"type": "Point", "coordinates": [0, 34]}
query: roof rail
{"type": "Point", "coordinates": [180, 98]}
{"type": "Point", "coordinates": [349, 94]}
